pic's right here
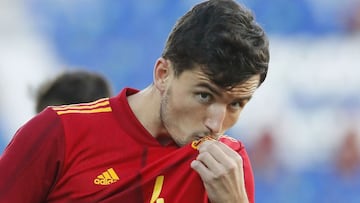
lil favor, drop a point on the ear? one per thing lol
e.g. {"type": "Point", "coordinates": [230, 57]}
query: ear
{"type": "Point", "coordinates": [162, 73]}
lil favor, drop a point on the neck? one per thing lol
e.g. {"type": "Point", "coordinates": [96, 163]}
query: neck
{"type": "Point", "coordinates": [146, 107]}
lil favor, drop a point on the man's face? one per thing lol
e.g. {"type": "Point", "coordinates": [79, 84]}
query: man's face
{"type": "Point", "coordinates": [193, 107]}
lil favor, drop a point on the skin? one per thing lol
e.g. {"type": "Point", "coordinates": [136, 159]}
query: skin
{"type": "Point", "coordinates": [221, 170]}
{"type": "Point", "coordinates": [189, 107]}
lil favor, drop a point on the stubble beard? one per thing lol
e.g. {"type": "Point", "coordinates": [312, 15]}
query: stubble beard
{"type": "Point", "coordinates": [166, 121]}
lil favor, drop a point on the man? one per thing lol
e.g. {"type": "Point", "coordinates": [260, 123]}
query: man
{"type": "Point", "coordinates": [164, 143]}
{"type": "Point", "coordinates": [72, 87]}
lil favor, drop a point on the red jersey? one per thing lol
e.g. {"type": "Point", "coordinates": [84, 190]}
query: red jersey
{"type": "Point", "coordinates": [100, 152]}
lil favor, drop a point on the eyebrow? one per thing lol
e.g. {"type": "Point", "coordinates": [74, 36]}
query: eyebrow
{"type": "Point", "coordinates": [247, 98]}
{"type": "Point", "coordinates": [211, 88]}
{"type": "Point", "coordinates": [218, 93]}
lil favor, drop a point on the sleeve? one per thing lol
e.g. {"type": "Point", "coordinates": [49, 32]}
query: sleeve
{"type": "Point", "coordinates": [248, 172]}
{"type": "Point", "coordinates": [32, 160]}
{"type": "Point", "coordinates": [248, 175]}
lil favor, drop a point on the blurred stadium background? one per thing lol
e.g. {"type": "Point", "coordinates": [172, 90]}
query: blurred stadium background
{"type": "Point", "coordinates": [302, 126]}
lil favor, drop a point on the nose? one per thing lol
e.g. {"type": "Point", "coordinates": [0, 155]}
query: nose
{"type": "Point", "coordinates": [215, 118]}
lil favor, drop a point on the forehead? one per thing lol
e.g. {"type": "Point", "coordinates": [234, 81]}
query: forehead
{"type": "Point", "coordinates": [198, 78]}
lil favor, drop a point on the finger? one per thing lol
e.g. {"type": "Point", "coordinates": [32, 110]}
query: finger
{"type": "Point", "coordinates": [211, 163]}
{"type": "Point", "coordinates": [221, 153]}
{"type": "Point", "coordinates": [202, 170]}
{"type": "Point", "coordinates": [212, 149]}
{"type": "Point", "coordinates": [226, 149]}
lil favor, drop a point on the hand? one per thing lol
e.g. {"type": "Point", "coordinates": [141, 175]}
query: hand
{"type": "Point", "coordinates": [221, 170]}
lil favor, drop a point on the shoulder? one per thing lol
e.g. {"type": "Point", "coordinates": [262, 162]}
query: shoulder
{"type": "Point", "coordinates": [86, 123]}
{"type": "Point", "coordinates": [98, 106]}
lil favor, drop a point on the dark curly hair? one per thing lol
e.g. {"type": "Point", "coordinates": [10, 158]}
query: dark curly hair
{"type": "Point", "coordinates": [221, 37]}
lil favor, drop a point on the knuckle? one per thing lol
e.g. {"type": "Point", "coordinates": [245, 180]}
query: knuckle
{"type": "Point", "coordinates": [203, 155]}
{"type": "Point", "coordinates": [206, 146]}
{"type": "Point", "coordinates": [239, 161]}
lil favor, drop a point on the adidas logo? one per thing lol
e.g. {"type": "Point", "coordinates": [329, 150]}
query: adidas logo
{"type": "Point", "coordinates": [106, 178]}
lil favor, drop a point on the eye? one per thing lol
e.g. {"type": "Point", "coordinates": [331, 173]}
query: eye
{"type": "Point", "coordinates": [235, 105]}
{"type": "Point", "coordinates": [238, 105]}
{"type": "Point", "coordinates": [204, 97]}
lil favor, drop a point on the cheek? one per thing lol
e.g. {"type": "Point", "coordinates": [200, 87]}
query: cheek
{"type": "Point", "coordinates": [186, 110]}
{"type": "Point", "coordinates": [231, 120]}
